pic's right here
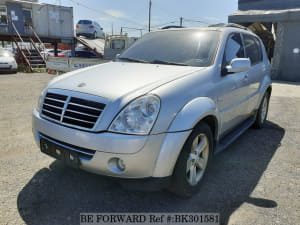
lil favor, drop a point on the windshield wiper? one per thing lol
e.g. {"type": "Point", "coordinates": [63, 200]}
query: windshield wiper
{"type": "Point", "coordinates": [133, 60]}
{"type": "Point", "coordinates": [157, 61]}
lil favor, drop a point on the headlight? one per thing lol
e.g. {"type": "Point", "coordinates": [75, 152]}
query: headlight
{"type": "Point", "coordinates": [40, 101]}
{"type": "Point", "coordinates": [137, 117]}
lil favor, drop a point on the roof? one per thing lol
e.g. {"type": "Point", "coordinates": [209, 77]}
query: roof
{"type": "Point", "coordinates": [214, 27]}
{"type": "Point", "coordinates": [265, 15]}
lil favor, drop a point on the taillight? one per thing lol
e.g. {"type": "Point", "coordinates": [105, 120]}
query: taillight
{"type": "Point", "coordinates": [77, 26]}
{"type": "Point", "coordinates": [91, 27]}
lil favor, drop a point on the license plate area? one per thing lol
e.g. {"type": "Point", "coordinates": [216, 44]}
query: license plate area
{"type": "Point", "coordinates": [58, 152]}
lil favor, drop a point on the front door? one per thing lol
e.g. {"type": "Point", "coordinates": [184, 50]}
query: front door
{"type": "Point", "coordinates": [233, 88]}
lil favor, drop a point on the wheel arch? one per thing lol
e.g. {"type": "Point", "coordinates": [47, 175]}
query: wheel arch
{"type": "Point", "coordinates": [187, 119]}
{"type": "Point", "coordinates": [198, 109]}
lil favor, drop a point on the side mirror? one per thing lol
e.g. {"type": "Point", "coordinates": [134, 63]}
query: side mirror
{"type": "Point", "coordinates": [239, 65]}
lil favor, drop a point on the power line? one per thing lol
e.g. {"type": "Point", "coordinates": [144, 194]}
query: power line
{"type": "Point", "coordinates": [163, 24]}
{"type": "Point", "coordinates": [197, 21]}
{"type": "Point", "coordinates": [105, 13]}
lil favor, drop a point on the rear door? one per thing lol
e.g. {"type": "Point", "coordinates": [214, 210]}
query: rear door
{"type": "Point", "coordinates": [233, 90]}
{"type": "Point", "coordinates": [253, 49]}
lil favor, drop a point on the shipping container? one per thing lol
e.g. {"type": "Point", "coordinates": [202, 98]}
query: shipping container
{"type": "Point", "coordinates": [48, 21]}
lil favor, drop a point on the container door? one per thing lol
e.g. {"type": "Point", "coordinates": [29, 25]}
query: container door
{"type": "Point", "coordinates": [15, 15]}
{"type": "Point", "coordinates": [40, 20]}
{"type": "Point", "coordinates": [54, 21]}
{"type": "Point", "coordinates": [66, 21]}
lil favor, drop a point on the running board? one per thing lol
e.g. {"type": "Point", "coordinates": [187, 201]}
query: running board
{"type": "Point", "coordinates": [233, 135]}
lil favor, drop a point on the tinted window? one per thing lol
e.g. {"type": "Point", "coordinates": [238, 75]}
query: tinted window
{"type": "Point", "coordinates": [253, 49]}
{"type": "Point", "coordinates": [234, 48]}
{"type": "Point", "coordinates": [85, 22]}
{"type": "Point", "coordinates": [189, 47]}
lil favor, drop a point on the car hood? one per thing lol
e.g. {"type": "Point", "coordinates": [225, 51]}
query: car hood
{"type": "Point", "coordinates": [115, 79]}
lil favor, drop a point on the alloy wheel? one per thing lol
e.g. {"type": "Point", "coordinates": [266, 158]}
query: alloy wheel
{"type": "Point", "coordinates": [197, 160]}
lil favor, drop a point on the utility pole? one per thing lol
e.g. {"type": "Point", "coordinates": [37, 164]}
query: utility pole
{"type": "Point", "coordinates": [181, 20]}
{"type": "Point", "coordinates": [150, 4]}
{"type": "Point", "coordinates": [112, 28]}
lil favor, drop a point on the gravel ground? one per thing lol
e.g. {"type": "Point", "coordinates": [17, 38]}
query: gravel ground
{"type": "Point", "coordinates": [255, 181]}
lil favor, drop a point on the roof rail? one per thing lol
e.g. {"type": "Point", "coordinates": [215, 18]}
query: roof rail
{"type": "Point", "coordinates": [234, 25]}
{"type": "Point", "coordinates": [170, 27]}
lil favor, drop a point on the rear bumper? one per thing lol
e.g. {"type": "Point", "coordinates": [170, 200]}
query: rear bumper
{"type": "Point", "coordinates": [143, 156]}
{"type": "Point", "coordinates": [85, 34]}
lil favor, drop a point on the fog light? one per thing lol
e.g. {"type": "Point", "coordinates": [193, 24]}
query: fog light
{"type": "Point", "coordinates": [121, 164]}
{"type": "Point", "coordinates": [116, 165]}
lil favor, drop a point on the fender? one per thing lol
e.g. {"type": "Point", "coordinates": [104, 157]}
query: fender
{"type": "Point", "coordinates": [266, 83]}
{"type": "Point", "coordinates": [179, 130]}
{"type": "Point", "coordinates": [193, 112]}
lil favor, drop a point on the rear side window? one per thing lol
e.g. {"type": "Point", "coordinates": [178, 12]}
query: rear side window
{"type": "Point", "coordinates": [253, 49]}
{"type": "Point", "coordinates": [85, 22]}
{"type": "Point", "coordinates": [234, 48]}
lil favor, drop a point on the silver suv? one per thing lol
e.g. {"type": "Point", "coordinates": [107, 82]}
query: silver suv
{"type": "Point", "coordinates": [161, 110]}
{"type": "Point", "coordinates": [89, 28]}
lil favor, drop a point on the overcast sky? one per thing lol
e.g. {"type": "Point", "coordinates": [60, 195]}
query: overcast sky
{"type": "Point", "coordinates": [134, 13]}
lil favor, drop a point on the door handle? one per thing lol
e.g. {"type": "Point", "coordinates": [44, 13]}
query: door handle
{"type": "Point", "coordinates": [246, 76]}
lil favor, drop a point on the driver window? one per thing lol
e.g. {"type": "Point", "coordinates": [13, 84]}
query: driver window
{"type": "Point", "coordinates": [234, 49]}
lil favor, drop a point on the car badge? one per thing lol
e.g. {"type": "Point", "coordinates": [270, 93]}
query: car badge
{"type": "Point", "coordinates": [81, 85]}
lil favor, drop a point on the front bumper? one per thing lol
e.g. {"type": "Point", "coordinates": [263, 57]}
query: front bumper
{"type": "Point", "coordinates": [144, 156]}
{"type": "Point", "coordinates": [8, 67]}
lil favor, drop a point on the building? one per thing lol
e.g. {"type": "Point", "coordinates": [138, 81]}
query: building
{"type": "Point", "coordinates": [29, 24]}
{"type": "Point", "coordinates": [277, 22]}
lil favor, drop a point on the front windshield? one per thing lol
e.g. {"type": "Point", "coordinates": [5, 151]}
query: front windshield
{"type": "Point", "coordinates": [182, 47]}
{"type": "Point", "coordinates": [5, 53]}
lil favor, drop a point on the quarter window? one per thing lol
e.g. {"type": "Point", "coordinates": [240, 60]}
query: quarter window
{"type": "Point", "coordinates": [234, 49]}
{"type": "Point", "coordinates": [253, 49]}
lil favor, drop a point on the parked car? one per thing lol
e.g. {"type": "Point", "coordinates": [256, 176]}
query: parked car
{"type": "Point", "coordinates": [84, 54]}
{"type": "Point", "coordinates": [7, 62]}
{"type": "Point", "coordinates": [89, 28]}
{"type": "Point", "coordinates": [49, 52]}
{"type": "Point", "coordinates": [64, 53]}
{"type": "Point", "coordinates": [160, 112]}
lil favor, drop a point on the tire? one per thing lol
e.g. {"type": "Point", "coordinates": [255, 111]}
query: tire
{"type": "Point", "coordinates": [183, 182]}
{"type": "Point", "coordinates": [262, 112]}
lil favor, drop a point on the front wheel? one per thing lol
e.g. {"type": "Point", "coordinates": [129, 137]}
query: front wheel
{"type": "Point", "coordinates": [193, 161]}
{"type": "Point", "coordinates": [262, 111]}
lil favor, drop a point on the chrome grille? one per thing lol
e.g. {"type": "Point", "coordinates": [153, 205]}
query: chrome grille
{"type": "Point", "coordinates": [71, 111]}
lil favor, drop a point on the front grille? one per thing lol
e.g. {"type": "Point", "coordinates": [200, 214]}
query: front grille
{"type": "Point", "coordinates": [72, 111]}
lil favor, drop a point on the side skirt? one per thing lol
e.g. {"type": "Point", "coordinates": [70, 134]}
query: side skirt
{"type": "Point", "coordinates": [233, 135]}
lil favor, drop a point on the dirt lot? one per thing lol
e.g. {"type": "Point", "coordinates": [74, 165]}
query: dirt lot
{"type": "Point", "coordinates": [255, 181]}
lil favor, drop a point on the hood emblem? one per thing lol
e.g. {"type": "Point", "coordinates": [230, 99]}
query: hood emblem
{"type": "Point", "coordinates": [81, 85]}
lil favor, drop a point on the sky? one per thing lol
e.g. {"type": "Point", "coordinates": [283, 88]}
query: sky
{"type": "Point", "coordinates": [134, 13]}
